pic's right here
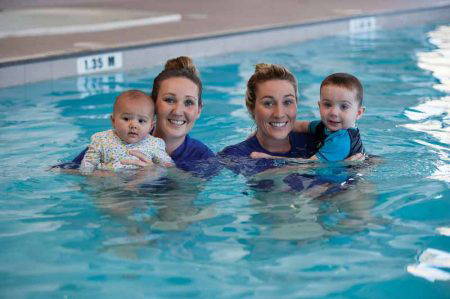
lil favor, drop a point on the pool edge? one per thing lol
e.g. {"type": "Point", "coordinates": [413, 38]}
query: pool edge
{"type": "Point", "coordinates": [151, 54]}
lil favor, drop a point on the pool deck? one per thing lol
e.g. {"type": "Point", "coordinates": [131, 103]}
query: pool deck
{"type": "Point", "coordinates": [200, 19]}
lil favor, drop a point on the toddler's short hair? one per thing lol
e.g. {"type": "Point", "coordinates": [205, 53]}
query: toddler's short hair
{"type": "Point", "coordinates": [347, 81]}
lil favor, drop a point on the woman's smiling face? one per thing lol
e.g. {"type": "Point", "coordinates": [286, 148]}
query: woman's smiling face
{"type": "Point", "coordinates": [275, 109]}
{"type": "Point", "coordinates": [177, 107]}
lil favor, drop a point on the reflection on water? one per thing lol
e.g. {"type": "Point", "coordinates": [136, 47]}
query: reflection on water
{"type": "Point", "coordinates": [438, 60]}
{"type": "Point", "coordinates": [146, 204]}
{"type": "Point", "coordinates": [107, 84]}
{"type": "Point", "coordinates": [150, 210]}
{"type": "Point", "coordinates": [331, 201]}
{"type": "Point", "coordinates": [432, 116]}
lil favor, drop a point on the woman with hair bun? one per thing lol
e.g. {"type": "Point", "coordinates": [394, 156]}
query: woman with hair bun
{"type": "Point", "coordinates": [271, 101]}
{"type": "Point", "coordinates": [177, 93]}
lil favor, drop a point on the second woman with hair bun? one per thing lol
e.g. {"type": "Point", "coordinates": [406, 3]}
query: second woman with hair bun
{"type": "Point", "coordinates": [271, 101]}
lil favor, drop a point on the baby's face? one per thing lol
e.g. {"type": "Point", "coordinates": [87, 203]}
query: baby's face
{"type": "Point", "coordinates": [339, 107]}
{"type": "Point", "coordinates": [133, 119]}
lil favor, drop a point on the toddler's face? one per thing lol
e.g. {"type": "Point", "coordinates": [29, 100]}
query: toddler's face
{"type": "Point", "coordinates": [133, 119]}
{"type": "Point", "coordinates": [339, 108]}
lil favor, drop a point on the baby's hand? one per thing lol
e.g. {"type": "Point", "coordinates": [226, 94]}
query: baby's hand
{"type": "Point", "coordinates": [259, 155]}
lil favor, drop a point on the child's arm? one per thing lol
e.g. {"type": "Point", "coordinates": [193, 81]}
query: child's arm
{"type": "Point", "coordinates": [301, 126]}
{"type": "Point", "coordinates": [92, 157]}
{"type": "Point", "coordinates": [259, 155]}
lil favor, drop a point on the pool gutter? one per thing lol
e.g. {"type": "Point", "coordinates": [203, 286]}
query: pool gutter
{"type": "Point", "coordinates": [142, 54]}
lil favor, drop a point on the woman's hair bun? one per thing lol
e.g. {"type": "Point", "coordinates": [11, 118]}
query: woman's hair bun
{"type": "Point", "coordinates": [181, 62]}
{"type": "Point", "coordinates": [261, 67]}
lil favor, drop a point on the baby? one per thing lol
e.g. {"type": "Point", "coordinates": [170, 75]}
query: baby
{"type": "Point", "coordinates": [132, 120]}
{"type": "Point", "coordinates": [340, 106]}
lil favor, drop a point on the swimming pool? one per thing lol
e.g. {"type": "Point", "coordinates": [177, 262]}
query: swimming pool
{"type": "Point", "coordinates": [70, 236]}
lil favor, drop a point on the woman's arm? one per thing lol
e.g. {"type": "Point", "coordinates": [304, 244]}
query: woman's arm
{"type": "Point", "coordinates": [259, 155]}
{"type": "Point", "coordinates": [160, 155]}
{"type": "Point", "coordinates": [143, 161]}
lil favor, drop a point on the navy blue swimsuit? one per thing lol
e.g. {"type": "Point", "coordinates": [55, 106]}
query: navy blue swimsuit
{"type": "Point", "coordinates": [195, 157]}
{"type": "Point", "coordinates": [237, 158]}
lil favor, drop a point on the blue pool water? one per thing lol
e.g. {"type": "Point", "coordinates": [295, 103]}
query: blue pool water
{"type": "Point", "coordinates": [67, 236]}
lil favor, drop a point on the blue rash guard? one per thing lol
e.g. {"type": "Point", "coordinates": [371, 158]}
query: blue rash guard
{"type": "Point", "coordinates": [335, 146]}
{"type": "Point", "coordinates": [195, 157]}
{"type": "Point", "coordinates": [237, 158]}
{"type": "Point", "coordinates": [192, 156]}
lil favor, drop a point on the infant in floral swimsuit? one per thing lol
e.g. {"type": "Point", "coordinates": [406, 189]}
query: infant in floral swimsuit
{"type": "Point", "coordinates": [132, 120]}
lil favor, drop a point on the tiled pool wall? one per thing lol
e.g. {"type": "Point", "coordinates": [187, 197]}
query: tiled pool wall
{"type": "Point", "coordinates": [139, 57]}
